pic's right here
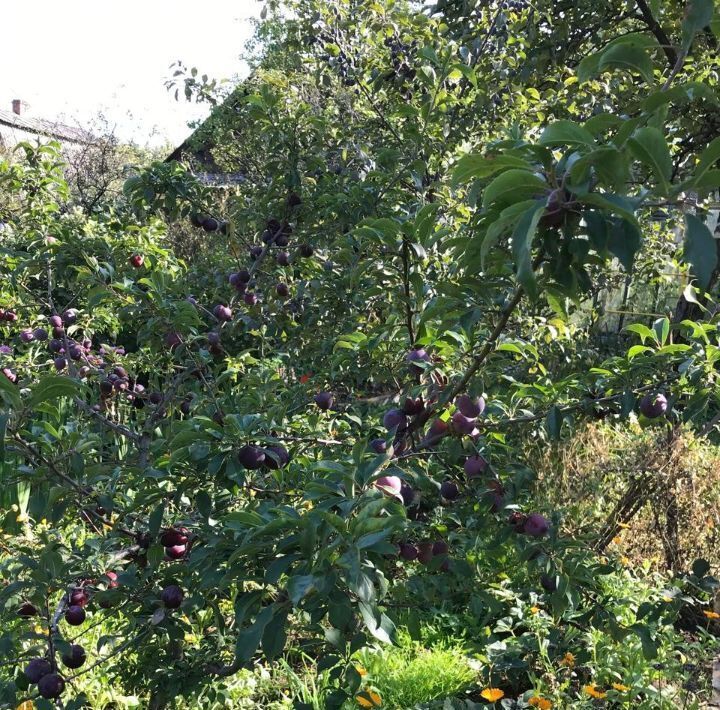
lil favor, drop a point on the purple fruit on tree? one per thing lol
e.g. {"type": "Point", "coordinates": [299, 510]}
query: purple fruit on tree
{"type": "Point", "coordinates": [438, 429]}
{"type": "Point", "coordinates": [251, 457]}
{"type": "Point", "coordinates": [26, 610]}
{"type": "Point", "coordinates": [60, 363]}
{"type": "Point", "coordinates": [449, 490]}
{"type": "Point", "coordinates": [324, 400]}
{"type": "Point", "coordinates": [305, 250]}
{"type": "Point", "coordinates": [69, 316]}
{"type": "Point", "coordinates": [172, 596]}
{"type": "Point", "coordinates": [462, 424]}
{"type": "Point", "coordinates": [36, 669]}
{"type": "Point", "coordinates": [222, 313]}
{"type": "Point", "coordinates": [51, 686]}
{"type": "Point", "coordinates": [172, 340]}
{"type": "Point", "coordinates": [548, 582]}
{"type": "Point", "coordinates": [255, 252]}
{"type": "Point", "coordinates": [411, 406]}
{"type": "Point", "coordinates": [379, 446]}
{"type": "Point", "coordinates": [653, 406]}
{"type": "Point", "coordinates": [40, 334]}
{"type": "Point", "coordinates": [282, 290]}
{"type": "Point", "coordinates": [250, 299]}
{"type": "Point", "coordinates": [470, 407]}
{"type": "Point", "coordinates": [475, 466]}
{"type": "Point", "coordinates": [408, 551]}
{"type": "Point", "coordinates": [395, 419]}
{"type": "Point", "coordinates": [155, 397]}
{"type": "Point", "coordinates": [74, 657]}
{"type": "Point", "coordinates": [55, 321]}
{"type": "Point", "coordinates": [407, 493]}
{"type": "Point", "coordinates": [79, 597]}
{"type": "Point", "coordinates": [440, 547]}
{"type": "Point", "coordinates": [536, 525]}
{"type": "Point", "coordinates": [176, 552]}
{"type": "Point", "coordinates": [415, 357]}
{"type": "Point", "coordinates": [174, 536]}
{"type": "Point", "coordinates": [425, 552]}
{"type": "Point", "coordinates": [283, 258]}
{"type": "Point", "coordinates": [27, 336]}
{"type": "Point", "coordinates": [58, 333]}
{"type": "Point", "coordinates": [9, 374]}
{"type": "Point", "coordinates": [389, 484]}
{"type": "Point", "coordinates": [55, 345]}
{"type": "Point", "coordinates": [276, 456]}
{"type": "Point", "coordinates": [75, 615]}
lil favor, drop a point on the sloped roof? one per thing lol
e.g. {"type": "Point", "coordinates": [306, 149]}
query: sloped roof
{"type": "Point", "coordinates": [41, 127]}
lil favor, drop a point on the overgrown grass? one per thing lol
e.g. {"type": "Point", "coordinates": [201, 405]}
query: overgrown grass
{"type": "Point", "coordinates": [409, 675]}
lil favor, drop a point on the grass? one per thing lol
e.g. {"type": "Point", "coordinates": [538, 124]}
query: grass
{"type": "Point", "coordinates": [409, 674]}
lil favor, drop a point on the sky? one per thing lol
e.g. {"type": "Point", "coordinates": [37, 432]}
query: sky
{"type": "Point", "coordinates": [74, 59]}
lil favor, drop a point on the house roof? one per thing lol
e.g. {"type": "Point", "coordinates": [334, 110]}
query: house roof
{"type": "Point", "coordinates": [41, 127]}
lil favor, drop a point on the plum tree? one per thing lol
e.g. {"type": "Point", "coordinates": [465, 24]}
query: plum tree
{"type": "Point", "coordinates": [172, 596]}
{"type": "Point", "coordinates": [36, 669]}
{"type": "Point", "coordinates": [51, 686]}
{"type": "Point", "coordinates": [74, 657]}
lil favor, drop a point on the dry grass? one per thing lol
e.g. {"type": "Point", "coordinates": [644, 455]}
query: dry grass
{"type": "Point", "coordinates": [678, 504]}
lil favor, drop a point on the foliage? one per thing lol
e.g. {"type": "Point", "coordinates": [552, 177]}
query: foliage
{"type": "Point", "coordinates": [257, 441]}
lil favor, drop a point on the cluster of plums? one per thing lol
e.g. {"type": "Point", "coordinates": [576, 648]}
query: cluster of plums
{"type": "Point", "coordinates": [175, 541]}
{"type": "Point", "coordinates": [43, 672]}
{"type": "Point", "coordinates": [208, 223]}
{"type": "Point", "coordinates": [425, 551]}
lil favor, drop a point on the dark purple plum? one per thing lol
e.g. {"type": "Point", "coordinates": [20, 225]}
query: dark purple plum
{"type": "Point", "coordinates": [172, 596]}
{"type": "Point", "coordinates": [470, 407]}
{"type": "Point", "coordinates": [536, 525]}
{"type": "Point", "coordinates": [475, 466]}
{"type": "Point", "coordinates": [75, 615]}
{"type": "Point", "coordinates": [411, 406]}
{"type": "Point", "coordinates": [449, 490]}
{"type": "Point", "coordinates": [408, 551]}
{"type": "Point", "coordinates": [251, 457]}
{"type": "Point", "coordinates": [176, 552]}
{"type": "Point", "coordinates": [174, 536]}
{"type": "Point", "coordinates": [40, 334]}
{"type": "Point", "coordinates": [282, 290]}
{"type": "Point", "coordinates": [222, 313]}
{"type": "Point", "coordinates": [276, 456]}
{"type": "Point", "coordinates": [74, 657]}
{"type": "Point", "coordinates": [55, 322]}
{"type": "Point", "coordinates": [36, 669]}
{"type": "Point", "coordinates": [283, 258]}
{"type": "Point", "coordinates": [324, 400]}
{"type": "Point", "coordinates": [653, 406]}
{"type": "Point", "coordinates": [462, 424]}
{"type": "Point", "coordinates": [51, 686]}
{"type": "Point", "coordinates": [379, 446]}
{"type": "Point", "coordinates": [69, 316]}
{"type": "Point", "coordinates": [440, 547]}
{"type": "Point", "coordinates": [394, 419]}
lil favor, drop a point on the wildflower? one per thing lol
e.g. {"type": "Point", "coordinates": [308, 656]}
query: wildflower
{"type": "Point", "coordinates": [617, 539]}
{"type": "Point", "coordinates": [624, 526]}
{"type": "Point", "coordinates": [592, 691]}
{"type": "Point", "coordinates": [534, 609]}
{"type": "Point", "coordinates": [625, 560]}
{"type": "Point", "coordinates": [620, 687]}
{"type": "Point", "coordinates": [492, 694]}
{"type": "Point", "coordinates": [539, 702]}
{"type": "Point", "coordinates": [568, 660]}
{"type": "Point", "coordinates": [711, 614]}
{"type": "Point", "coordinates": [369, 699]}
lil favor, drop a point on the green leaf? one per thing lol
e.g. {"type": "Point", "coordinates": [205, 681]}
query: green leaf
{"type": "Point", "coordinates": [155, 520]}
{"type": "Point", "coordinates": [698, 15]}
{"type": "Point", "coordinates": [300, 586]}
{"type": "Point", "coordinates": [274, 635]}
{"type": "Point", "coordinates": [661, 327]}
{"type": "Point", "coordinates": [626, 56]}
{"type": "Point", "coordinates": [624, 241]}
{"type": "Point", "coordinates": [553, 422]}
{"type": "Point", "coordinates": [649, 146]}
{"type": "Point", "coordinates": [379, 625]}
{"type": "Point", "coordinates": [9, 392]}
{"type": "Point", "coordinates": [474, 166]}
{"type": "Point", "coordinates": [522, 239]}
{"type": "Point", "coordinates": [249, 639]}
{"type": "Point", "coordinates": [700, 250]}
{"type": "Point", "coordinates": [513, 186]}
{"type": "Point", "coordinates": [54, 387]}
{"type": "Point", "coordinates": [708, 159]}
{"type": "Point", "coordinates": [611, 203]}
{"type": "Point", "coordinates": [567, 133]}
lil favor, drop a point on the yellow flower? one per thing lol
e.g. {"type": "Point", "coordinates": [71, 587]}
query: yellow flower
{"type": "Point", "coordinates": [22, 518]}
{"type": "Point", "coordinates": [492, 694]}
{"type": "Point", "coordinates": [25, 705]}
{"type": "Point", "coordinates": [369, 699]}
{"type": "Point", "coordinates": [711, 614]}
{"type": "Point", "coordinates": [621, 688]}
{"type": "Point", "coordinates": [568, 660]}
{"type": "Point", "coordinates": [617, 540]}
{"type": "Point", "coordinates": [594, 692]}
{"type": "Point", "coordinates": [538, 702]}
{"type": "Point", "coordinates": [361, 671]}
{"type": "Point", "coordinates": [667, 599]}
{"type": "Point", "coordinates": [625, 560]}
{"type": "Point", "coordinates": [534, 609]}
{"type": "Point", "coordinates": [624, 526]}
